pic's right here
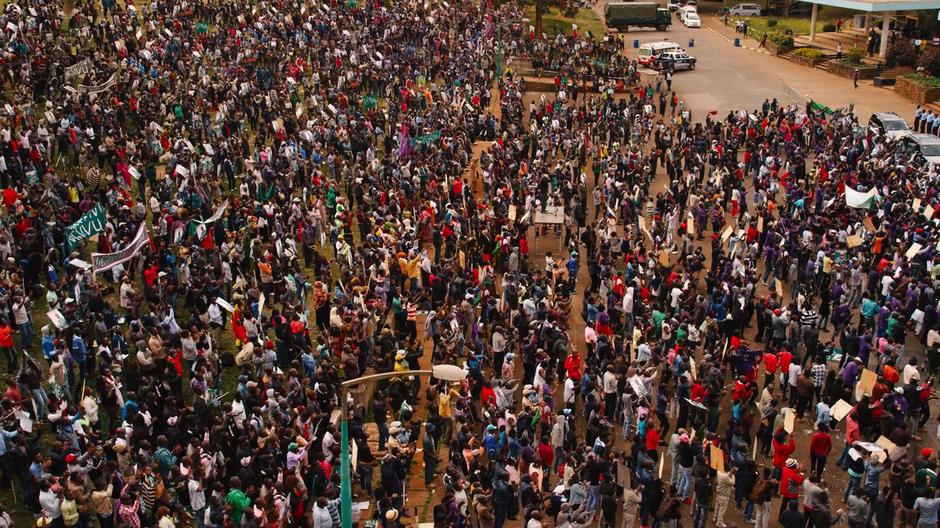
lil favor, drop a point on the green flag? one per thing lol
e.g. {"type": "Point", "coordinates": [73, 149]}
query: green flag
{"type": "Point", "coordinates": [90, 223]}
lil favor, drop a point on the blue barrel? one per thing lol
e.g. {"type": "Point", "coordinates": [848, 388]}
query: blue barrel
{"type": "Point", "coordinates": [737, 42]}
{"type": "Point", "coordinates": [691, 43]}
{"type": "Point", "coordinates": [636, 43]}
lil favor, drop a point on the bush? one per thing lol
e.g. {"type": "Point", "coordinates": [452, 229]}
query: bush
{"type": "Point", "coordinates": [829, 27]}
{"type": "Point", "coordinates": [810, 53]}
{"type": "Point", "coordinates": [772, 22]}
{"type": "Point", "coordinates": [902, 53]}
{"type": "Point", "coordinates": [923, 80]}
{"type": "Point", "coordinates": [930, 61]}
{"type": "Point", "coordinates": [781, 39]}
{"type": "Point", "coordinates": [855, 56]}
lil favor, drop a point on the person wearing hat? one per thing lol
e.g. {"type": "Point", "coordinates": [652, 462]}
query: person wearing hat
{"type": "Point", "coordinates": [791, 482]}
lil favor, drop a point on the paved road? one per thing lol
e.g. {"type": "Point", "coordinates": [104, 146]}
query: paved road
{"type": "Point", "coordinates": [728, 78]}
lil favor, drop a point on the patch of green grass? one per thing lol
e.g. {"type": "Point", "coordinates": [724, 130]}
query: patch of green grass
{"type": "Point", "coordinates": [757, 26]}
{"type": "Point", "coordinates": [923, 80]}
{"type": "Point", "coordinates": [554, 21]}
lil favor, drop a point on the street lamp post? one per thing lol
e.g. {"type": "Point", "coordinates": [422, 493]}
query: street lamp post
{"type": "Point", "coordinates": [444, 372]}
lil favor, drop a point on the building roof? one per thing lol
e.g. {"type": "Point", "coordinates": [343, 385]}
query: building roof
{"type": "Point", "coordinates": [879, 6]}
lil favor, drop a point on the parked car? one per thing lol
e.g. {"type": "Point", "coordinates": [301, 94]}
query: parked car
{"type": "Point", "coordinates": [926, 147]}
{"type": "Point", "coordinates": [746, 10]}
{"type": "Point", "coordinates": [649, 52]}
{"type": "Point", "coordinates": [691, 20]}
{"type": "Point", "coordinates": [676, 60]}
{"type": "Point", "coordinates": [888, 124]}
{"type": "Point", "coordinates": [672, 5]}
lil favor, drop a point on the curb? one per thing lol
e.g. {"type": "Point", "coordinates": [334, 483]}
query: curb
{"type": "Point", "coordinates": [731, 40]}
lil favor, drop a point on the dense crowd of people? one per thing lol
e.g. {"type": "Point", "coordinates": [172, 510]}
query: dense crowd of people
{"type": "Point", "coordinates": [215, 213]}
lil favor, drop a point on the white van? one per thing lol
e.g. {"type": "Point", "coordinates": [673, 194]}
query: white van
{"type": "Point", "coordinates": [650, 51]}
{"type": "Point", "coordinates": [745, 10]}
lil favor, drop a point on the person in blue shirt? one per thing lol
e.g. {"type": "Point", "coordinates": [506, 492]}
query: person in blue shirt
{"type": "Point", "coordinates": [80, 355]}
{"type": "Point", "coordinates": [48, 343]}
{"type": "Point", "coordinates": [871, 483]}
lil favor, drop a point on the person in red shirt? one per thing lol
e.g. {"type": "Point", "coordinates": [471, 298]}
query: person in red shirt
{"type": "Point", "coordinates": [652, 439]}
{"type": "Point", "coordinates": [573, 367]}
{"type": "Point", "coordinates": [785, 358]}
{"type": "Point", "coordinates": [791, 482]}
{"type": "Point", "coordinates": [770, 368]}
{"type": "Point", "coordinates": [783, 446]}
{"type": "Point", "coordinates": [820, 444]}
{"type": "Point", "coordinates": [546, 452]}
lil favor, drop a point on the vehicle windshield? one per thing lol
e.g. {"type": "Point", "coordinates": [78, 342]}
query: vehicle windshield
{"type": "Point", "coordinates": [895, 125]}
{"type": "Point", "coordinates": [932, 149]}
{"type": "Point", "coordinates": [692, 17]}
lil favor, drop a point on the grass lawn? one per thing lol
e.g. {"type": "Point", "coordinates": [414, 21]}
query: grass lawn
{"type": "Point", "coordinates": [799, 26]}
{"type": "Point", "coordinates": [554, 21]}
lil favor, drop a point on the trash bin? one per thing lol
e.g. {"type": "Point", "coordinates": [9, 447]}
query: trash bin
{"type": "Point", "coordinates": [691, 43]}
{"type": "Point", "coordinates": [737, 42]}
{"type": "Point", "coordinates": [636, 43]}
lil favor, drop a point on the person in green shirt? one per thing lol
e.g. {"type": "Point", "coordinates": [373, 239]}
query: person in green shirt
{"type": "Point", "coordinates": [237, 498]}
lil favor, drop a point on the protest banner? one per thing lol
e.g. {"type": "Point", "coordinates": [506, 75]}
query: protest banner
{"type": "Point", "coordinates": [90, 223]}
{"type": "Point", "coordinates": [105, 261]}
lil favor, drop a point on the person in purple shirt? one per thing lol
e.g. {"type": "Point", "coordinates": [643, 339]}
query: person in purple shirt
{"type": "Point", "coordinates": [851, 371]}
{"type": "Point", "coordinates": [838, 290]}
{"type": "Point", "coordinates": [883, 320]}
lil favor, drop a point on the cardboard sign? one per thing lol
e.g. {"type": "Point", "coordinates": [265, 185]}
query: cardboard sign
{"type": "Point", "coordinates": [57, 319]}
{"type": "Point", "coordinates": [928, 212]}
{"type": "Point", "coordinates": [716, 458]}
{"type": "Point", "coordinates": [840, 410]}
{"type": "Point", "coordinates": [854, 241]}
{"type": "Point", "coordinates": [225, 304]}
{"type": "Point", "coordinates": [885, 444]}
{"type": "Point", "coordinates": [869, 225]}
{"type": "Point", "coordinates": [913, 251]}
{"type": "Point", "coordinates": [664, 259]}
{"type": "Point", "coordinates": [865, 384]}
{"type": "Point", "coordinates": [916, 204]}
{"type": "Point", "coordinates": [760, 224]}
{"type": "Point", "coordinates": [623, 476]}
{"type": "Point", "coordinates": [789, 419]}
{"type": "Point", "coordinates": [779, 287]}
{"type": "Point", "coordinates": [726, 234]}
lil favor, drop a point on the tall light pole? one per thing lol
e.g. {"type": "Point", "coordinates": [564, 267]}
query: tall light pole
{"type": "Point", "coordinates": [444, 372]}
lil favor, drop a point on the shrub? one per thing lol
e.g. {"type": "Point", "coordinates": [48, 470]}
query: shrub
{"type": "Point", "coordinates": [930, 61]}
{"type": "Point", "coordinates": [902, 53]}
{"type": "Point", "coordinates": [855, 56]}
{"type": "Point", "coordinates": [923, 80]}
{"type": "Point", "coordinates": [781, 39]}
{"type": "Point", "coordinates": [772, 22]}
{"type": "Point", "coordinates": [809, 53]}
{"type": "Point", "coordinates": [829, 27]}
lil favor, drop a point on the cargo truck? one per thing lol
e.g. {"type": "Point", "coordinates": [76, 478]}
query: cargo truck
{"type": "Point", "coordinates": [622, 15]}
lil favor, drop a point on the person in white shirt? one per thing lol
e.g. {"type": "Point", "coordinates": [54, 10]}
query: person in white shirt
{"type": "Point", "coordinates": [50, 500]}
{"type": "Point", "coordinates": [910, 372]}
{"type": "Point", "coordinates": [610, 392]}
{"type": "Point", "coordinates": [197, 496]}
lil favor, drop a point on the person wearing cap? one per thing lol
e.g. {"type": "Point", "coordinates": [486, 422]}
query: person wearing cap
{"type": "Point", "coordinates": [791, 481]}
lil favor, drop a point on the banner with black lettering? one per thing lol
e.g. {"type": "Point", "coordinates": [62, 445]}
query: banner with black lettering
{"type": "Point", "coordinates": [105, 261]}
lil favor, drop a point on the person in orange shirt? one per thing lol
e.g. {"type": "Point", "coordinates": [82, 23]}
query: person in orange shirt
{"type": "Point", "coordinates": [6, 343]}
{"type": "Point", "coordinates": [890, 373]}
